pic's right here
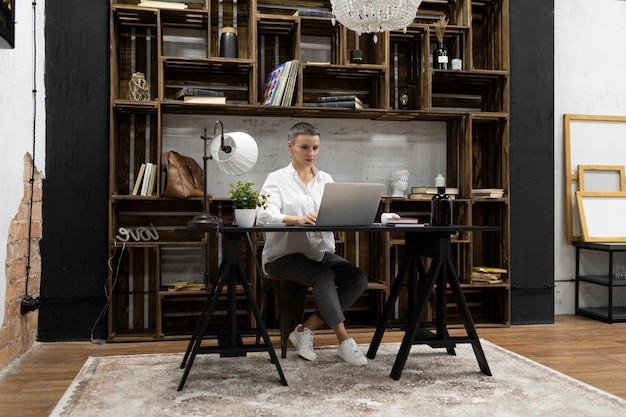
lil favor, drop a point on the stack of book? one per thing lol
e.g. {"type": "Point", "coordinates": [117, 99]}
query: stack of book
{"type": "Point", "coordinates": [281, 84]}
{"type": "Point", "coordinates": [488, 275]}
{"type": "Point", "coordinates": [200, 95]}
{"type": "Point", "coordinates": [488, 192]}
{"type": "Point", "coordinates": [404, 221]}
{"type": "Point", "coordinates": [184, 285]}
{"type": "Point", "coordinates": [427, 192]}
{"type": "Point", "coordinates": [349, 102]}
{"type": "Point", "coordinates": [314, 13]}
{"type": "Point", "coordinates": [163, 4]}
{"type": "Point", "coordinates": [146, 180]}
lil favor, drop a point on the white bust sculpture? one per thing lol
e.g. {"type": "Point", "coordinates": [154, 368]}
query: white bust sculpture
{"type": "Point", "coordinates": [399, 183]}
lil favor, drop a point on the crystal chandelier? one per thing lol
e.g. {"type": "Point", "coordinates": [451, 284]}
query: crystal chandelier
{"type": "Point", "coordinates": [367, 16]}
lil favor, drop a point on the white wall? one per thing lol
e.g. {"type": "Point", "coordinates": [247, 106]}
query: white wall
{"type": "Point", "coordinates": [16, 119]}
{"type": "Point", "coordinates": [351, 150]}
{"type": "Point", "coordinates": [589, 78]}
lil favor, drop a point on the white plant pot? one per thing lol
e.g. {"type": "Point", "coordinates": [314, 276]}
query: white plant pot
{"type": "Point", "coordinates": [245, 217]}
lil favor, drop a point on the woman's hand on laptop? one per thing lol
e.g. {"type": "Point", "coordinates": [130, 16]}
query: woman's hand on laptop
{"type": "Point", "coordinates": [309, 218]}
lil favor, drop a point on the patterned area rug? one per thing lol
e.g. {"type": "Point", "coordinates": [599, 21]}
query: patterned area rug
{"type": "Point", "coordinates": [433, 383]}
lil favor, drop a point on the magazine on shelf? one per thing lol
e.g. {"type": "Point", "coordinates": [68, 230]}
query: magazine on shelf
{"type": "Point", "coordinates": [280, 85]}
{"type": "Point", "coordinates": [271, 86]}
{"type": "Point", "coordinates": [290, 87]}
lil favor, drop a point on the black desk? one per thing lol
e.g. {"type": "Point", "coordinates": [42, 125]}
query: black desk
{"type": "Point", "coordinates": [231, 273]}
{"type": "Point", "coordinates": [425, 241]}
{"type": "Point", "coordinates": [432, 242]}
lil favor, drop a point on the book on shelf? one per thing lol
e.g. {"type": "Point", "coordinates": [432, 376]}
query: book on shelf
{"type": "Point", "coordinates": [152, 180]}
{"type": "Point", "coordinates": [330, 99]}
{"type": "Point", "coordinates": [138, 179]}
{"type": "Point", "coordinates": [489, 269]}
{"type": "Point", "coordinates": [403, 220]}
{"type": "Point", "coordinates": [146, 178]}
{"type": "Point", "coordinates": [184, 285]}
{"type": "Point", "coordinates": [313, 13]}
{"type": "Point", "coordinates": [290, 83]}
{"type": "Point", "coordinates": [348, 104]}
{"type": "Point", "coordinates": [427, 196]}
{"type": "Point", "coordinates": [421, 189]}
{"type": "Point", "coordinates": [204, 99]}
{"type": "Point", "coordinates": [488, 274]}
{"type": "Point", "coordinates": [196, 92]}
{"type": "Point", "coordinates": [488, 192]}
{"type": "Point", "coordinates": [486, 278]}
{"type": "Point", "coordinates": [163, 4]}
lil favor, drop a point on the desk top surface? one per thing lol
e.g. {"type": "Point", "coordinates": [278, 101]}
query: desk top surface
{"type": "Point", "coordinates": [372, 228]}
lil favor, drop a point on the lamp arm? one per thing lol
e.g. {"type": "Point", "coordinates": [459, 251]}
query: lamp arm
{"type": "Point", "coordinates": [223, 147]}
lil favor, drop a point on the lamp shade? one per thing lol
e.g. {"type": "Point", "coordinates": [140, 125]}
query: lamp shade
{"type": "Point", "coordinates": [242, 156]}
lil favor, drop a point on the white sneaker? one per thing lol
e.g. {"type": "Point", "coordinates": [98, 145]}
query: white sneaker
{"type": "Point", "coordinates": [303, 341]}
{"type": "Point", "coordinates": [349, 351]}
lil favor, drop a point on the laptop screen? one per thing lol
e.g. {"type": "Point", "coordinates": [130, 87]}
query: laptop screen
{"type": "Point", "coordinates": [349, 204]}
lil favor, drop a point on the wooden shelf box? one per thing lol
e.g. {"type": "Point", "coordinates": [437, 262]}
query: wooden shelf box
{"type": "Point", "coordinates": [180, 48]}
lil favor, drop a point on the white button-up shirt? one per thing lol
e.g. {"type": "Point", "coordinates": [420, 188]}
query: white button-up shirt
{"type": "Point", "coordinates": [288, 196]}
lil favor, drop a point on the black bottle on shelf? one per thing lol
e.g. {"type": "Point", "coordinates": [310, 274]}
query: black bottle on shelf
{"type": "Point", "coordinates": [440, 57]}
{"type": "Point", "coordinates": [441, 204]}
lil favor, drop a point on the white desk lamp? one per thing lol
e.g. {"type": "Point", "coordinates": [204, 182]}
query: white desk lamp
{"type": "Point", "coordinates": [235, 153]}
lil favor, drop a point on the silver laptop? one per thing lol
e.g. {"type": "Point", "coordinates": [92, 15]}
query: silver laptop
{"type": "Point", "coordinates": [349, 204]}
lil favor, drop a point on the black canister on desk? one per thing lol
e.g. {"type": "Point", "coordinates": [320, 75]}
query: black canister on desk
{"type": "Point", "coordinates": [441, 204]}
{"type": "Point", "coordinates": [228, 43]}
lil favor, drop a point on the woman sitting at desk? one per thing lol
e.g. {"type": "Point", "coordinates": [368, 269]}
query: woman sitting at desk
{"type": "Point", "coordinates": [308, 258]}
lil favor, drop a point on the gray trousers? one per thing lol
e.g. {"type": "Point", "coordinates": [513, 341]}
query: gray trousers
{"type": "Point", "coordinates": [336, 282]}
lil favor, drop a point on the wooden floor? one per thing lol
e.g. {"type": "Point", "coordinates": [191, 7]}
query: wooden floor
{"type": "Point", "coordinates": [585, 349]}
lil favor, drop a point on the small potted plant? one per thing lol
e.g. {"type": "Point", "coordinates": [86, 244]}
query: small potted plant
{"type": "Point", "coordinates": [245, 200]}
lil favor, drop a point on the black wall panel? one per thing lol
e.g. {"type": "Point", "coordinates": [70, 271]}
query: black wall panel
{"type": "Point", "coordinates": [532, 161]}
{"type": "Point", "coordinates": [74, 244]}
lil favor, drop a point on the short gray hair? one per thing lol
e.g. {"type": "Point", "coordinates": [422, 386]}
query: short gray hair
{"type": "Point", "coordinates": [302, 128]}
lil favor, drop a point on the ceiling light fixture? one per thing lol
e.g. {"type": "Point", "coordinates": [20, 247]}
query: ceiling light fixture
{"type": "Point", "coordinates": [373, 16]}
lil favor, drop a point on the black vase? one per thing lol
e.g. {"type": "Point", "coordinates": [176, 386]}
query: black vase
{"type": "Point", "coordinates": [228, 43]}
{"type": "Point", "coordinates": [356, 56]}
{"type": "Point", "coordinates": [440, 57]}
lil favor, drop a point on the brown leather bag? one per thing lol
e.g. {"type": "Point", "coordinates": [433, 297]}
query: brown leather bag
{"type": "Point", "coordinates": [183, 176]}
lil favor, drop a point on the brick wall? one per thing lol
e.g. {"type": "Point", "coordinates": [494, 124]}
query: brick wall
{"type": "Point", "coordinates": [19, 332]}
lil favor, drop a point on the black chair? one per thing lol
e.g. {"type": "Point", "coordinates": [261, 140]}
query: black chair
{"type": "Point", "coordinates": [288, 305]}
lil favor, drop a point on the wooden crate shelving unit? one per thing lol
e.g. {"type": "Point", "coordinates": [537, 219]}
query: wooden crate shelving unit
{"type": "Point", "coordinates": [177, 48]}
